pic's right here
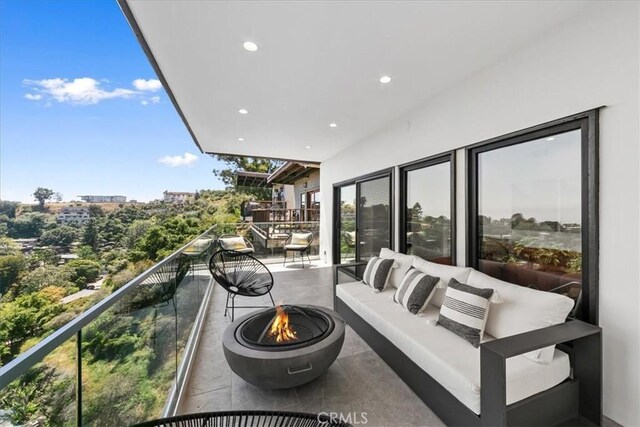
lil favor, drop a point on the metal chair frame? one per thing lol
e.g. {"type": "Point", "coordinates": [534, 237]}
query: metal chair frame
{"type": "Point", "coordinates": [224, 269]}
{"type": "Point", "coordinates": [301, 250]}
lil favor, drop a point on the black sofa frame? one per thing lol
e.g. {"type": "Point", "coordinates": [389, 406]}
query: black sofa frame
{"type": "Point", "coordinates": [576, 401]}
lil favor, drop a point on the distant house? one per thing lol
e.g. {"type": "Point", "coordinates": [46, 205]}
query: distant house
{"type": "Point", "coordinates": [104, 199]}
{"type": "Point", "coordinates": [177, 196]}
{"type": "Point", "coordinates": [73, 215]}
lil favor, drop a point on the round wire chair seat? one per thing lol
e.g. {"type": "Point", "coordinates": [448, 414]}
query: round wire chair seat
{"type": "Point", "coordinates": [248, 419]}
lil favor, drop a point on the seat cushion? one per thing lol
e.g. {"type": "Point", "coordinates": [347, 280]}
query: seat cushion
{"type": "Point", "coordinates": [446, 357]}
{"type": "Point", "coordinates": [522, 310]}
{"type": "Point", "coordinates": [301, 238]}
{"type": "Point", "coordinates": [445, 273]}
{"type": "Point", "coordinates": [403, 263]}
{"type": "Point", "coordinates": [295, 247]}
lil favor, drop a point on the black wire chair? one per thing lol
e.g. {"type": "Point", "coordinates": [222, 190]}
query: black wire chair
{"type": "Point", "coordinates": [240, 274]}
{"type": "Point", "coordinates": [298, 241]}
{"type": "Point", "coordinates": [248, 419]}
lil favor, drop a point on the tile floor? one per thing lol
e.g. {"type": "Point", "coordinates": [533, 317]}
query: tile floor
{"type": "Point", "coordinates": [359, 384]}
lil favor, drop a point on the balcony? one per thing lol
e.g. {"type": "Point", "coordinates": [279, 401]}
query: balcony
{"type": "Point", "coordinates": [153, 348]}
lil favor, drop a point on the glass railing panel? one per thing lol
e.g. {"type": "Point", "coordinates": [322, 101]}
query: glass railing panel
{"type": "Point", "coordinates": [45, 395]}
{"type": "Point", "coordinates": [131, 352]}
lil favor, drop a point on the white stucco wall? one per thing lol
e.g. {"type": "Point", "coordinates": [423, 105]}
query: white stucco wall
{"type": "Point", "coordinates": [591, 61]}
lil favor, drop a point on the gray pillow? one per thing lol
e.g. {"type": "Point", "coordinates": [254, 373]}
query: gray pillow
{"type": "Point", "coordinates": [464, 311]}
{"type": "Point", "coordinates": [377, 273]}
{"type": "Point", "coordinates": [415, 290]}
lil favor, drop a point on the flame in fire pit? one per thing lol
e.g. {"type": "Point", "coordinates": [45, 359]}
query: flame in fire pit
{"type": "Point", "coordinates": [280, 329]}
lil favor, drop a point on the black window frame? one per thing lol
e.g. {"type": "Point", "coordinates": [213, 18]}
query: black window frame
{"type": "Point", "coordinates": [383, 173]}
{"type": "Point", "coordinates": [404, 169]}
{"type": "Point", "coordinates": [587, 122]}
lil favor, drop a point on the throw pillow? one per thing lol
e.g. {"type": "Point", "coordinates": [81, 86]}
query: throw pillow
{"type": "Point", "coordinates": [464, 311]}
{"type": "Point", "coordinates": [233, 243]}
{"type": "Point", "coordinates": [377, 272]}
{"type": "Point", "coordinates": [415, 290]}
{"type": "Point", "coordinates": [300, 239]}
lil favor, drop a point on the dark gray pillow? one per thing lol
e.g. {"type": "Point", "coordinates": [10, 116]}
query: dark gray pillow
{"type": "Point", "coordinates": [415, 290]}
{"type": "Point", "coordinates": [464, 311]}
{"type": "Point", "coordinates": [377, 273]}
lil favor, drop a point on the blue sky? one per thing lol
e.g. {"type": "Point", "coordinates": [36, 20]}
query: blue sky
{"type": "Point", "coordinates": [80, 110]}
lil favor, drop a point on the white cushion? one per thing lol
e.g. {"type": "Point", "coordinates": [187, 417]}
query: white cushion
{"type": "Point", "coordinates": [522, 310]}
{"type": "Point", "coordinates": [445, 273]}
{"type": "Point", "coordinates": [446, 357]}
{"type": "Point", "coordinates": [233, 243]}
{"type": "Point", "coordinates": [403, 262]}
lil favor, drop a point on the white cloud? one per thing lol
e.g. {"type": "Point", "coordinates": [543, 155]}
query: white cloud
{"type": "Point", "coordinates": [187, 159]}
{"type": "Point", "coordinates": [144, 102]}
{"type": "Point", "coordinates": [33, 96]}
{"type": "Point", "coordinates": [151, 85]}
{"type": "Point", "coordinates": [155, 99]}
{"type": "Point", "coordinates": [83, 91]}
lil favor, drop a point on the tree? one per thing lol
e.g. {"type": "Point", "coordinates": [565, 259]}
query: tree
{"type": "Point", "coordinates": [28, 225]}
{"type": "Point", "coordinates": [10, 268]}
{"type": "Point", "coordinates": [59, 236]}
{"type": "Point", "coordinates": [83, 271]}
{"type": "Point", "coordinates": [91, 237]}
{"type": "Point", "coordinates": [57, 196]}
{"type": "Point", "coordinates": [8, 208]}
{"type": "Point", "coordinates": [42, 195]}
{"type": "Point", "coordinates": [154, 241]}
{"type": "Point", "coordinates": [41, 277]}
{"type": "Point", "coordinates": [95, 211]}
{"type": "Point", "coordinates": [233, 164]}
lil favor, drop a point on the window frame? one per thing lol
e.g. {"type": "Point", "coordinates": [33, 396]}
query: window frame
{"type": "Point", "coordinates": [587, 122]}
{"type": "Point", "coordinates": [383, 173]}
{"type": "Point", "coordinates": [449, 156]}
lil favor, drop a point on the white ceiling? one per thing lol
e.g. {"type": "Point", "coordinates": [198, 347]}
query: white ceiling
{"type": "Point", "coordinates": [319, 62]}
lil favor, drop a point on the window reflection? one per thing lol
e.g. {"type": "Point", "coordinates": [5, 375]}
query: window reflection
{"type": "Point", "coordinates": [529, 213]}
{"type": "Point", "coordinates": [428, 212]}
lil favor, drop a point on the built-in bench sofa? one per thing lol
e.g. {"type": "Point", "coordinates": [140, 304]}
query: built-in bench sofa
{"type": "Point", "coordinates": [521, 378]}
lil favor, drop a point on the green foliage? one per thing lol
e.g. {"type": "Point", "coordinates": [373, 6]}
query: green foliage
{"type": "Point", "coordinates": [41, 277]}
{"type": "Point", "coordinates": [10, 268]}
{"type": "Point", "coordinates": [82, 271]}
{"type": "Point", "coordinates": [59, 236]}
{"type": "Point", "coordinates": [29, 225]}
{"type": "Point", "coordinates": [90, 236]}
{"type": "Point", "coordinates": [86, 252]}
{"type": "Point", "coordinates": [43, 256]}
{"type": "Point", "coordinates": [8, 247]}
{"type": "Point", "coordinates": [8, 208]}
{"type": "Point", "coordinates": [41, 392]}
{"type": "Point", "coordinates": [22, 318]}
{"type": "Point", "coordinates": [42, 195]}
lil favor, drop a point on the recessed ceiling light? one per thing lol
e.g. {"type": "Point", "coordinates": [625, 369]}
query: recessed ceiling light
{"type": "Point", "coordinates": [241, 139]}
{"type": "Point", "coordinates": [333, 125]}
{"type": "Point", "coordinates": [250, 46]}
{"type": "Point", "coordinates": [308, 147]}
{"type": "Point", "coordinates": [550, 138]}
{"type": "Point", "coordinates": [385, 79]}
{"type": "Point", "coordinates": [243, 111]}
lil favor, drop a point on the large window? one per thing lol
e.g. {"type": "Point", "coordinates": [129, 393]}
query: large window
{"type": "Point", "coordinates": [533, 212]}
{"type": "Point", "coordinates": [427, 226]}
{"type": "Point", "coordinates": [363, 213]}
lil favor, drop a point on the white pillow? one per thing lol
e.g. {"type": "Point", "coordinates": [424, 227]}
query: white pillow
{"type": "Point", "coordinates": [445, 273]}
{"type": "Point", "coordinates": [403, 263]}
{"type": "Point", "coordinates": [522, 310]}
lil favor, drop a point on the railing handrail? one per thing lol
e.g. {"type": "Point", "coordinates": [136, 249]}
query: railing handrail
{"type": "Point", "coordinates": [29, 358]}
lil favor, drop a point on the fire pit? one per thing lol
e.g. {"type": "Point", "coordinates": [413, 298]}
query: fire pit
{"type": "Point", "coordinates": [285, 346]}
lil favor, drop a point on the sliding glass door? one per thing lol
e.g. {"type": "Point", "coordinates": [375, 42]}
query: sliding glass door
{"type": "Point", "coordinates": [363, 213]}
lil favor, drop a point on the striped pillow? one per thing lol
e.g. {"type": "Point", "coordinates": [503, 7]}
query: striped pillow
{"type": "Point", "coordinates": [415, 290]}
{"type": "Point", "coordinates": [464, 311]}
{"type": "Point", "coordinates": [377, 273]}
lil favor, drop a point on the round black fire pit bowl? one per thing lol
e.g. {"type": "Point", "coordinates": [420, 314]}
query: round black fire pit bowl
{"type": "Point", "coordinates": [271, 366]}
